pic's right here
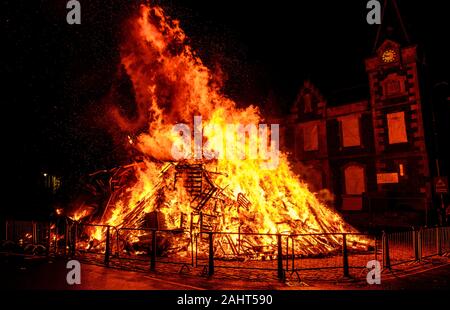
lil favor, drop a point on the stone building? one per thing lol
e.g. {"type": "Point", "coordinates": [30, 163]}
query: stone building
{"type": "Point", "coordinates": [370, 153]}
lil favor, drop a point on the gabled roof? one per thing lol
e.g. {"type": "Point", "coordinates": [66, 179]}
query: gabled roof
{"type": "Point", "coordinates": [310, 88]}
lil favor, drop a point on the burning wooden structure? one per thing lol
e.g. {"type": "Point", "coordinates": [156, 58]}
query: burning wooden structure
{"type": "Point", "coordinates": [210, 208]}
{"type": "Point", "coordinates": [235, 194]}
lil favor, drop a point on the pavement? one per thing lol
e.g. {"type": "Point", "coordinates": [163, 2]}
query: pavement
{"type": "Point", "coordinates": [50, 274]}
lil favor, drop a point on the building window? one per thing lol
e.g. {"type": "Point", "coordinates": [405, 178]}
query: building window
{"type": "Point", "coordinates": [350, 131]}
{"type": "Point", "coordinates": [396, 128]}
{"type": "Point", "coordinates": [307, 100]}
{"type": "Point", "coordinates": [354, 180]}
{"type": "Point", "coordinates": [310, 137]}
{"type": "Point", "coordinates": [51, 182]}
{"type": "Point", "coordinates": [392, 87]}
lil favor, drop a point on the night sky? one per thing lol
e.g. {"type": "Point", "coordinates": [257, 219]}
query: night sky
{"type": "Point", "coordinates": [57, 76]}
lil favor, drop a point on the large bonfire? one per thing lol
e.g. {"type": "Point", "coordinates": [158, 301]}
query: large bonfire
{"type": "Point", "coordinates": [195, 192]}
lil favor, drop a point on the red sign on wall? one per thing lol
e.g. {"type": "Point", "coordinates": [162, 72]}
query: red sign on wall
{"type": "Point", "coordinates": [387, 178]}
{"type": "Point", "coordinates": [441, 185]}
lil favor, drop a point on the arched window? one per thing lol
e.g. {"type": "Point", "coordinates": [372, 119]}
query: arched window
{"type": "Point", "coordinates": [354, 178]}
{"type": "Point", "coordinates": [307, 100]}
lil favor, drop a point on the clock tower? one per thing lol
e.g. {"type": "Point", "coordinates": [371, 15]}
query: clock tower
{"type": "Point", "coordinates": [401, 160]}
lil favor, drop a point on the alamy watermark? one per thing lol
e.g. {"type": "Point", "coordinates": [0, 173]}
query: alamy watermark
{"type": "Point", "coordinates": [74, 275]}
{"type": "Point", "coordinates": [230, 142]}
{"type": "Point", "coordinates": [74, 15]}
{"type": "Point", "coordinates": [374, 274]}
{"type": "Point", "coordinates": [374, 15]}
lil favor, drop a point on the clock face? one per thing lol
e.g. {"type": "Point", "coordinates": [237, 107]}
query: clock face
{"type": "Point", "coordinates": [389, 56]}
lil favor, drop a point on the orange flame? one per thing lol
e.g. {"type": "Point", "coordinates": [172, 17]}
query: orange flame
{"type": "Point", "coordinates": [171, 86]}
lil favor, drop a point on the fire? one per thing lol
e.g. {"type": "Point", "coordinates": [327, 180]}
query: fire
{"type": "Point", "coordinates": [172, 86]}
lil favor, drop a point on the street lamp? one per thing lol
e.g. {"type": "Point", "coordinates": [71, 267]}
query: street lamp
{"type": "Point", "coordinates": [441, 214]}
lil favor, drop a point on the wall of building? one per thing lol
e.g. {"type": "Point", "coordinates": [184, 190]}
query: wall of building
{"type": "Point", "coordinates": [370, 154]}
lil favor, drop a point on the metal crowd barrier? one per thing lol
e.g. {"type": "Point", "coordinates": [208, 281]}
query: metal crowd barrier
{"type": "Point", "coordinates": [27, 237]}
{"type": "Point", "coordinates": [157, 246]}
{"type": "Point", "coordinates": [349, 254]}
{"type": "Point", "coordinates": [235, 253]}
{"type": "Point", "coordinates": [280, 255]}
{"type": "Point", "coordinates": [445, 239]}
{"type": "Point", "coordinates": [104, 246]}
{"type": "Point", "coordinates": [401, 246]}
{"type": "Point", "coordinates": [415, 245]}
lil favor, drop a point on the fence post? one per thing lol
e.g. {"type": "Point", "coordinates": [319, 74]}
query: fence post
{"type": "Point", "coordinates": [49, 238]}
{"type": "Point", "coordinates": [34, 232]}
{"type": "Point", "coordinates": [345, 256]}
{"type": "Point", "coordinates": [280, 258]}
{"type": "Point", "coordinates": [153, 252]}
{"type": "Point", "coordinates": [438, 241]}
{"type": "Point", "coordinates": [239, 239]}
{"type": "Point", "coordinates": [293, 254]}
{"type": "Point", "coordinates": [107, 248]}
{"type": "Point", "coordinates": [386, 257]}
{"type": "Point", "coordinates": [66, 236]}
{"type": "Point", "coordinates": [74, 239]}
{"type": "Point", "coordinates": [192, 247]}
{"type": "Point", "coordinates": [13, 233]}
{"type": "Point", "coordinates": [211, 255]}
{"type": "Point", "coordinates": [56, 237]}
{"type": "Point", "coordinates": [415, 236]}
{"type": "Point", "coordinates": [419, 243]}
{"type": "Point", "coordinates": [196, 248]}
{"type": "Point", "coordinates": [287, 254]}
{"type": "Point", "coordinates": [6, 230]}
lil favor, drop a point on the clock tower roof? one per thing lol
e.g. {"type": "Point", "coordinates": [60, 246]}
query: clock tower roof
{"type": "Point", "coordinates": [392, 27]}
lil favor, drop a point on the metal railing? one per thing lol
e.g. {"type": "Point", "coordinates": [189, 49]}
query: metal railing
{"type": "Point", "coordinates": [156, 246]}
{"type": "Point", "coordinates": [402, 247]}
{"type": "Point", "coordinates": [414, 245]}
{"type": "Point", "coordinates": [26, 237]}
{"type": "Point", "coordinates": [346, 253]}
{"type": "Point", "coordinates": [445, 239]}
{"type": "Point", "coordinates": [238, 254]}
{"type": "Point", "coordinates": [105, 244]}
{"type": "Point", "coordinates": [429, 245]}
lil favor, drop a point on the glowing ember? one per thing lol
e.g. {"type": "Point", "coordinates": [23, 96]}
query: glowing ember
{"type": "Point", "coordinates": [225, 193]}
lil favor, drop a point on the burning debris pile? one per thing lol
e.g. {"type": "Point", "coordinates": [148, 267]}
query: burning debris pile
{"type": "Point", "coordinates": [186, 198]}
{"type": "Point", "coordinates": [206, 188]}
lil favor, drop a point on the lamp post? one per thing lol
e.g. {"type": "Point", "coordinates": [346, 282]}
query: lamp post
{"type": "Point", "coordinates": [441, 211]}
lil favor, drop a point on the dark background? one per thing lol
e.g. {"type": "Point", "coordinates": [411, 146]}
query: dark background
{"type": "Point", "coordinates": [56, 76]}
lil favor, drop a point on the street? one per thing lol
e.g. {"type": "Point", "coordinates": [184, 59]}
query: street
{"type": "Point", "coordinates": [51, 275]}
